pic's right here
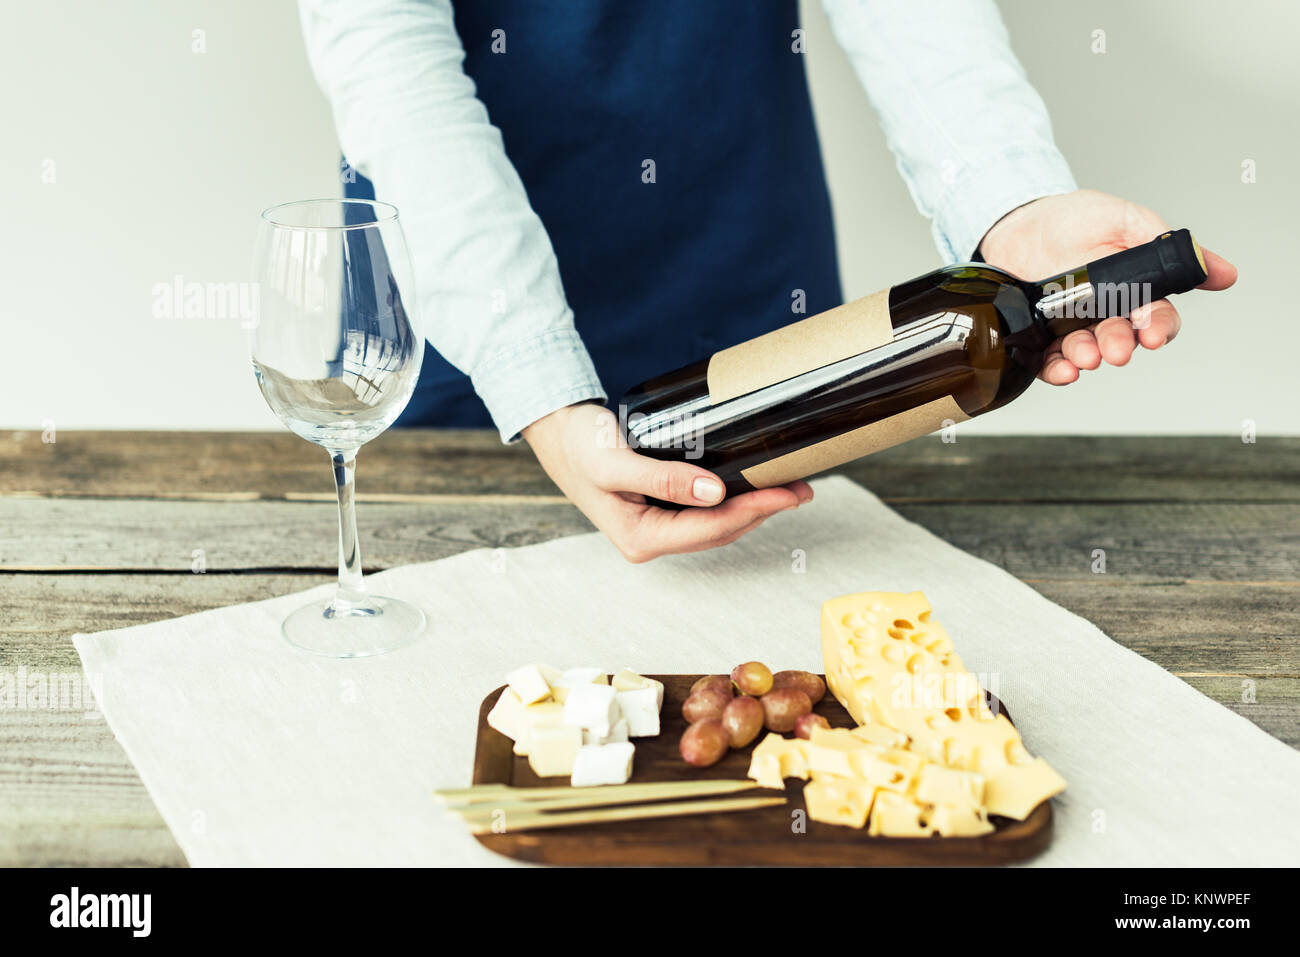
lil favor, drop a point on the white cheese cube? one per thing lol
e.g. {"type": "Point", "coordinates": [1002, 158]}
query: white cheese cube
{"type": "Point", "coordinates": [553, 750]}
{"type": "Point", "coordinates": [528, 683]}
{"type": "Point", "coordinates": [507, 714]}
{"type": "Point", "coordinates": [640, 708]}
{"type": "Point", "coordinates": [629, 680]}
{"type": "Point", "coordinates": [594, 707]}
{"type": "Point", "coordinates": [618, 732]}
{"type": "Point", "coordinates": [576, 677]}
{"type": "Point", "coordinates": [603, 764]}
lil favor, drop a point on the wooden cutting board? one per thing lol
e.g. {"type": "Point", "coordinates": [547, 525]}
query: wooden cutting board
{"type": "Point", "coordinates": [780, 835]}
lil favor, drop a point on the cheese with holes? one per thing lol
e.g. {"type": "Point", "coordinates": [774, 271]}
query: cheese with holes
{"type": "Point", "coordinates": [879, 735]}
{"type": "Point", "coordinates": [777, 758]}
{"type": "Point", "coordinates": [950, 821]}
{"type": "Point", "coordinates": [891, 664]}
{"type": "Point", "coordinates": [939, 785]}
{"type": "Point", "coordinates": [897, 815]}
{"type": "Point", "coordinates": [838, 800]}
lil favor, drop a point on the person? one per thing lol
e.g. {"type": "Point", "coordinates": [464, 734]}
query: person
{"type": "Point", "coordinates": [604, 190]}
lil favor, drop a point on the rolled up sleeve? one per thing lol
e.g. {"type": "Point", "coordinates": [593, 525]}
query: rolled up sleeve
{"type": "Point", "coordinates": [487, 282]}
{"type": "Point", "coordinates": [972, 137]}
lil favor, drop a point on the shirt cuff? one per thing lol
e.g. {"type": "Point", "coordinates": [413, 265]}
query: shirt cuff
{"type": "Point", "coordinates": [983, 194]}
{"type": "Point", "coordinates": [542, 374]}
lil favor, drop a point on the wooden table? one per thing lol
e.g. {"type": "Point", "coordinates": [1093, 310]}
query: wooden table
{"type": "Point", "coordinates": [104, 529]}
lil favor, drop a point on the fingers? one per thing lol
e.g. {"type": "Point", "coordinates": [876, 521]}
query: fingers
{"type": "Point", "coordinates": [661, 532]}
{"type": "Point", "coordinates": [1222, 273]}
{"type": "Point", "coordinates": [1058, 370]}
{"type": "Point", "coordinates": [1156, 323]}
{"type": "Point", "coordinates": [677, 482]}
{"type": "Point", "coordinates": [801, 489]}
{"type": "Point", "coordinates": [1113, 340]}
{"type": "Point", "coordinates": [1116, 340]}
{"type": "Point", "coordinates": [1080, 347]}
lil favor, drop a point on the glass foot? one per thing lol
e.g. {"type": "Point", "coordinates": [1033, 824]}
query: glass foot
{"type": "Point", "coordinates": [354, 631]}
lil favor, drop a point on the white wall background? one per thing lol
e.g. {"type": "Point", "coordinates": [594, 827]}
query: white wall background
{"type": "Point", "coordinates": [163, 157]}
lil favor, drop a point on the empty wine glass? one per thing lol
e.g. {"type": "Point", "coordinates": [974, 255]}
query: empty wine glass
{"type": "Point", "coordinates": [337, 355]}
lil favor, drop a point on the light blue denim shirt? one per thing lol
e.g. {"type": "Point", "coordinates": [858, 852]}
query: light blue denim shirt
{"type": "Point", "coordinates": [971, 136]}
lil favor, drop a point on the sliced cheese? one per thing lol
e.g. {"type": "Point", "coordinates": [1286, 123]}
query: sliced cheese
{"type": "Point", "coordinates": [527, 682]}
{"type": "Point", "coordinates": [553, 750]}
{"type": "Point", "coordinates": [880, 736]}
{"type": "Point", "coordinates": [837, 752]}
{"type": "Point", "coordinates": [891, 664]}
{"type": "Point", "coordinates": [951, 821]}
{"type": "Point", "coordinates": [776, 758]}
{"type": "Point", "coordinates": [897, 815]}
{"type": "Point", "coordinates": [544, 714]}
{"type": "Point", "coordinates": [939, 785]}
{"type": "Point", "coordinates": [1018, 789]}
{"type": "Point", "coordinates": [507, 714]}
{"type": "Point", "coordinates": [842, 801]}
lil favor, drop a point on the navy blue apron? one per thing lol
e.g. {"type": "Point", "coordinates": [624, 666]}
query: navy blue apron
{"type": "Point", "coordinates": [737, 219]}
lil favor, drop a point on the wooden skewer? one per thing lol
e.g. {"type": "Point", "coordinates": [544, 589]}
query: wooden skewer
{"type": "Point", "coordinates": [529, 820]}
{"type": "Point", "coordinates": [503, 795]}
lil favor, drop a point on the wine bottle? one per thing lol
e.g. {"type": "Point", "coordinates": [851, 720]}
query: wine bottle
{"type": "Point", "coordinates": [947, 346]}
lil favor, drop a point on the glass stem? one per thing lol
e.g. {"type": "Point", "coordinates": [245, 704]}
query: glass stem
{"type": "Point", "coordinates": [351, 589]}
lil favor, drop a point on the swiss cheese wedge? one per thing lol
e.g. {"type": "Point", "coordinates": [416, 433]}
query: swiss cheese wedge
{"type": "Point", "coordinates": [894, 669]}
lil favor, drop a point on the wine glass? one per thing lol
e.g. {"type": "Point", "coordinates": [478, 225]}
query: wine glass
{"type": "Point", "coordinates": [336, 355]}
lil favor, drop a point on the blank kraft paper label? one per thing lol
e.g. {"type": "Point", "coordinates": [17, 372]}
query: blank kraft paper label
{"type": "Point", "coordinates": [811, 343]}
{"type": "Point", "coordinates": [848, 446]}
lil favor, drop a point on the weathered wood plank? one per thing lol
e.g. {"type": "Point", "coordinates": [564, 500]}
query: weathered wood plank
{"type": "Point", "coordinates": [474, 462]}
{"type": "Point", "coordinates": [105, 534]}
{"type": "Point", "coordinates": [1270, 703]}
{"type": "Point", "coordinates": [69, 796]}
{"type": "Point", "coordinates": [1177, 541]}
{"type": "Point", "coordinates": [1192, 628]}
{"type": "Point", "coordinates": [44, 611]}
{"type": "Point", "coordinates": [1142, 543]}
{"type": "Point", "coordinates": [1060, 468]}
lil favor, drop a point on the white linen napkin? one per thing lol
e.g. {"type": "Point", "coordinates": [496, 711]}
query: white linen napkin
{"type": "Point", "coordinates": [259, 754]}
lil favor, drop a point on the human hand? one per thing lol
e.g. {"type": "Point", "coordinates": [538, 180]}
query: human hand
{"type": "Point", "coordinates": [1050, 235]}
{"type": "Point", "coordinates": [583, 451]}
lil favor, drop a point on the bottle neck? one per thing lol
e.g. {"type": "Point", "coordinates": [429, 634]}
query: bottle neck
{"type": "Point", "coordinates": [1066, 302]}
{"type": "Point", "coordinates": [1117, 284]}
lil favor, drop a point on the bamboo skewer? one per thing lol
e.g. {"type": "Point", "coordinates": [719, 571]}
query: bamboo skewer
{"type": "Point", "coordinates": [485, 820]}
{"type": "Point", "coordinates": [503, 795]}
